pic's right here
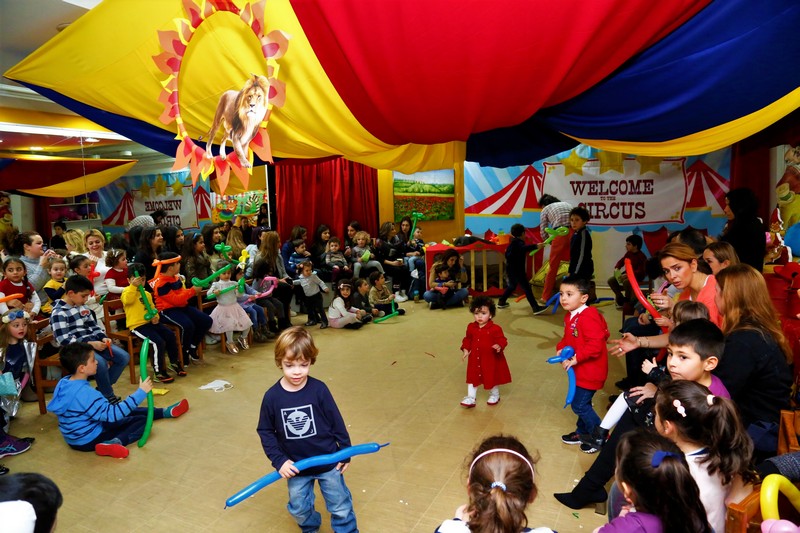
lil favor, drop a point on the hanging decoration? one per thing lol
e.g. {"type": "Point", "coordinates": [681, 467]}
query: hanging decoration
{"type": "Point", "coordinates": [234, 109]}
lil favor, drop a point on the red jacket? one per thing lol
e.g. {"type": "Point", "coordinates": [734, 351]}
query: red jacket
{"type": "Point", "coordinates": [638, 262]}
{"type": "Point", "coordinates": [587, 332]}
{"type": "Point", "coordinates": [169, 292]}
{"type": "Point", "coordinates": [485, 366]}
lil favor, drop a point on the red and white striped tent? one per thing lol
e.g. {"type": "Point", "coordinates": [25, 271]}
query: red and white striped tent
{"type": "Point", "coordinates": [123, 213]}
{"type": "Point", "coordinates": [521, 194]}
{"type": "Point", "coordinates": [202, 202]}
{"type": "Point", "coordinates": [705, 188]}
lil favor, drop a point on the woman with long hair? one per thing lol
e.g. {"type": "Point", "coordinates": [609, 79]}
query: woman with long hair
{"type": "Point", "coordinates": [211, 237]}
{"type": "Point", "coordinates": [150, 245]}
{"type": "Point", "coordinates": [270, 263]}
{"type": "Point", "coordinates": [744, 230]}
{"type": "Point", "coordinates": [28, 246]}
{"type": "Point", "coordinates": [755, 364]}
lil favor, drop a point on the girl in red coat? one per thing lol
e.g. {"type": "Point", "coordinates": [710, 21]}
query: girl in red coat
{"type": "Point", "coordinates": [483, 347]}
{"type": "Point", "coordinates": [586, 331]}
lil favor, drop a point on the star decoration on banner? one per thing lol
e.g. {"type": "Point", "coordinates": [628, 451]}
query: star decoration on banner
{"type": "Point", "coordinates": [177, 188]}
{"type": "Point", "coordinates": [649, 164]}
{"type": "Point", "coordinates": [161, 186]}
{"type": "Point", "coordinates": [144, 190]}
{"type": "Point", "coordinates": [611, 161]}
{"type": "Point", "coordinates": [573, 164]}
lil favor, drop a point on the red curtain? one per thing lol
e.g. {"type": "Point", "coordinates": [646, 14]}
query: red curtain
{"type": "Point", "coordinates": [331, 192]}
{"type": "Point", "coordinates": [750, 158]}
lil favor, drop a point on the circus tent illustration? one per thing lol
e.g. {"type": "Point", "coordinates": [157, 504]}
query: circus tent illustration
{"type": "Point", "coordinates": [519, 195]}
{"type": "Point", "coordinates": [202, 202]}
{"type": "Point", "coordinates": [705, 188]}
{"type": "Point", "coordinates": [123, 213]}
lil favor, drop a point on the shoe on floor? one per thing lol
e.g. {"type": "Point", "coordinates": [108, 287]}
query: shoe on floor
{"type": "Point", "coordinates": [571, 438]}
{"type": "Point", "coordinates": [324, 325]}
{"type": "Point", "coordinates": [212, 339]}
{"type": "Point", "coordinates": [243, 343]}
{"type": "Point", "coordinates": [399, 298]}
{"type": "Point", "coordinates": [468, 402]}
{"type": "Point", "coordinates": [542, 302]}
{"type": "Point", "coordinates": [540, 310]}
{"type": "Point", "coordinates": [163, 378]}
{"type": "Point", "coordinates": [311, 323]}
{"type": "Point", "coordinates": [494, 399]}
{"type": "Point", "coordinates": [13, 446]}
{"type": "Point", "coordinates": [354, 325]}
{"type": "Point", "coordinates": [3, 470]}
{"type": "Point", "coordinates": [232, 347]}
{"type": "Point", "coordinates": [112, 448]}
{"type": "Point", "coordinates": [502, 305]}
{"type": "Point", "coordinates": [178, 370]}
{"type": "Point", "coordinates": [588, 448]}
{"type": "Point", "coordinates": [381, 314]}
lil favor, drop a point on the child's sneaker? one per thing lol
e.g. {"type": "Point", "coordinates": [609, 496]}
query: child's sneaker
{"type": "Point", "coordinates": [178, 369]}
{"type": "Point", "coordinates": [243, 343]}
{"type": "Point", "coordinates": [588, 448]}
{"type": "Point", "coordinates": [571, 438]}
{"type": "Point", "coordinates": [592, 443]}
{"type": "Point", "coordinates": [13, 446]}
{"type": "Point", "coordinates": [177, 409]}
{"type": "Point", "coordinates": [232, 347]}
{"type": "Point", "coordinates": [502, 305]}
{"type": "Point", "coordinates": [163, 378]}
{"type": "Point", "coordinates": [468, 402]}
{"type": "Point", "coordinates": [494, 399]}
{"type": "Point", "coordinates": [112, 448]}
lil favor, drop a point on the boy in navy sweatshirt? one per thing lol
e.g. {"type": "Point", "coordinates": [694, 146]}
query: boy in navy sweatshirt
{"type": "Point", "coordinates": [299, 419]}
{"type": "Point", "coordinates": [87, 420]}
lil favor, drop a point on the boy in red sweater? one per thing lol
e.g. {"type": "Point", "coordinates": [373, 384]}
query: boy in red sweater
{"type": "Point", "coordinates": [173, 300]}
{"type": "Point", "coordinates": [586, 331]}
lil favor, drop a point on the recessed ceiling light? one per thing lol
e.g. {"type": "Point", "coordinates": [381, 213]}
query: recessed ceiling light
{"type": "Point", "coordinates": [126, 153]}
{"type": "Point", "coordinates": [91, 140]}
{"type": "Point", "coordinates": [36, 148]}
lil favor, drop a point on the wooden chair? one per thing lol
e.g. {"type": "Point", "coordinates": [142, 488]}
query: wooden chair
{"type": "Point", "coordinates": [745, 516]}
{"type": "Point", "coordinates": [788, 431]}
{"type": "Point", "coordinates": [39, 380]}
{"type": "Point", "coordinates": [113, 311]}
{"type": "Point", "coordinates": [205, 305]}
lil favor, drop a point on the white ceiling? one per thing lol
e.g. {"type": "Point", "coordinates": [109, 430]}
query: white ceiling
{"type": "Point", "coordinates": [25, 25]}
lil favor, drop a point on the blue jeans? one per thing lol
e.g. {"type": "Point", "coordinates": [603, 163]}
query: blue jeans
{"type": "Point", "coordinates": [582, 406]}
{"type": "Point", "coordinates": [436, 297]}
{"type": "Point", "coordinates": [337, 499]}
{"type": "Point", "coordinates": [105, 376]}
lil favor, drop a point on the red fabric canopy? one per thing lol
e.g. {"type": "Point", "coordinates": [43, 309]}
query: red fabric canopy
{"type": "Point", "coordinates": [503, 55]}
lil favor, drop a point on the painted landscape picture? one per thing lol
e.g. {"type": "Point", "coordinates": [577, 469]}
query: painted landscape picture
{"type": "Point", "coordinates": [430, 193]}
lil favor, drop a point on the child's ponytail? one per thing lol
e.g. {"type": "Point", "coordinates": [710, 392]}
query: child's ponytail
{"type": "Point", "coordinates": [655, 472]}
{"type": "Point", "coordinates": [501, 484]}
{"type": "Point", "coordinates": [711, 421]}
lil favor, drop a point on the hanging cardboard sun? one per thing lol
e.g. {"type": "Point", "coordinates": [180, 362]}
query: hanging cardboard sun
{"type": "Point", "coordinates": [237, 110]}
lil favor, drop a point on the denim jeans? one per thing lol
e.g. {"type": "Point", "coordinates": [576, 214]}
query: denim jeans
{"type": "Point", "coordinates": [582, 406]}
{"type": "Point", "coordinates": [436, 297]}
{"type": "Point", "coordinates": [106, 377]}
{"type": "Point", "coordinates": [337, 497]}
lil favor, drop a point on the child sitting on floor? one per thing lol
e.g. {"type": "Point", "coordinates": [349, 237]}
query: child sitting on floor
{"type": "Point", "coordinates": [381, 297]}
{"type": "Point", "coordinates": [85, 418]}
{"type": "Point", "coordinates": [361, 299]}
{"type": "Point", "coordinates": [341, 313]}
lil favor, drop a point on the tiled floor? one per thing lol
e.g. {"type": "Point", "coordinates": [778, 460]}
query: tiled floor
{"type": "Point", "coordinates": [400, 381]}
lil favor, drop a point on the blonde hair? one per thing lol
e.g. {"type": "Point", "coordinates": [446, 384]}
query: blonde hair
{"type": "Point", "coordinates": [236, 241]}
{"type": "Point", "coordinates": [361, 235]}
{"type": "Point", "coordinates": [75, 239]}
{"type": "Point", "coordinates": [94, 232]}
{"type": "Point", "coordinates": [686, 310]}
{"type": "Point", "coordinates": [679, 251]}
{"type": "Point", "coordinates": [293, 344]}
{"type": "Point", "coordinates": [723, 251]}
{"type": "Point", "coordinates": [747, 305]}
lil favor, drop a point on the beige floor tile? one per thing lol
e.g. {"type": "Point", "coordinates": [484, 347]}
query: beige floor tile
{"type": "Point", "coordinates": [400, 381]}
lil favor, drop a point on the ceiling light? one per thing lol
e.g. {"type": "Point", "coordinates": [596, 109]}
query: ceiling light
{"type": "Point", "coordinates": [35, 148]}
{"type": "Point", "coordinates": [91, 140]}
{"type": "Point", "coordinates": [126, 153]}
{"type": "Point", "coordinates": [61, 132]}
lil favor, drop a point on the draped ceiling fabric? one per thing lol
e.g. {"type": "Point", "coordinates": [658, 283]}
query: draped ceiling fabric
{"type": "Point", "coordinates": [414, 85]}
{"type": "Point", "coordinates": [59, 176]}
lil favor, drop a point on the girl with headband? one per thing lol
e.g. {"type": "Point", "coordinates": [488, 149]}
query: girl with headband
{"type": "Point", "coordinates": [501, 484]}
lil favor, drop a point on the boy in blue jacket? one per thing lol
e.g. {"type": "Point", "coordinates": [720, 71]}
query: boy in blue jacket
{"type": "Point", "coordinates": [87, 420]}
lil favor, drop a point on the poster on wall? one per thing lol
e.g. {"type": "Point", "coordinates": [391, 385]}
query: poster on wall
{"type": "Point", "coordinates": [171, 192]}
{"type": "Point", "coordinates": [430, 193]}
{"type": "Point", "coordinates": [236, 206]}
{"type": "Point", "coordinates": [784, 227]}
{"type": "Point", "coordinates": [623, 193]}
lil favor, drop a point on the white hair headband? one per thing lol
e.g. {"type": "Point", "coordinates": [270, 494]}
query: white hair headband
{"type": "Point", "coordinates": [499, 450]}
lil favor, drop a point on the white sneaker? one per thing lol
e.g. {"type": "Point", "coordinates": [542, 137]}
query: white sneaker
{"type": "Point", "coordinates": [494, 399]}
{"type": "Point", "coordinates": [468, 402]}
{"type": "Point", "coordinates": [415, 274]}
{"type": "Point", "coordinates": [399, 298]}
{"type": "Point", "coordinates": [212, 339]}
{"type": "Point", "coordinates": [381, 314]}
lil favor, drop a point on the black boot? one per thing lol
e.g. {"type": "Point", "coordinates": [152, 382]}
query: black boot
{"type": "Point", "coordinates": [583, 496]}
{"type": "Point", "coordinates": [595, 441]}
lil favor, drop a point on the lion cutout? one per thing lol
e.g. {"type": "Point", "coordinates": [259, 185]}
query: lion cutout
{"type": "Point", "coordinates": [240, 115]}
